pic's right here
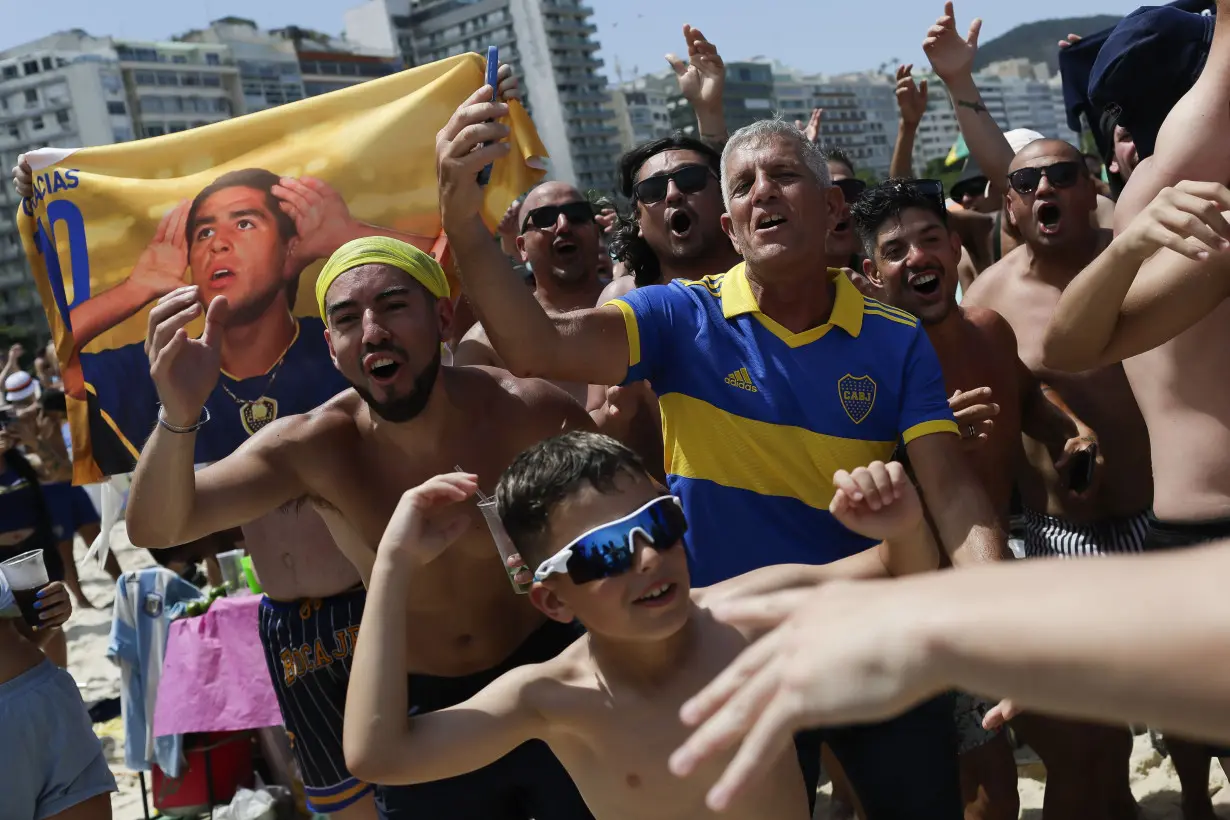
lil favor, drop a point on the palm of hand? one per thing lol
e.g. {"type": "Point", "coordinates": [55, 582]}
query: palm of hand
{"type": "Point", "coordinates": [701, 81]}
{"type": "Point", "coordinates": [161, 268]}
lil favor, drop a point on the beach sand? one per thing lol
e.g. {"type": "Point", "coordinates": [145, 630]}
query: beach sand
{"type": "Point", "coordinates": [1154, 781]}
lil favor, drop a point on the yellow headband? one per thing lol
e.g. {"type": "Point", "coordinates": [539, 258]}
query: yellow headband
{"type": "Point", "coordinates": [382, 250]}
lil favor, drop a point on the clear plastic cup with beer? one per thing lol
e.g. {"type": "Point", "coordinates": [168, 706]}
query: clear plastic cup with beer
{"type": "Point", "coordinates": [26, 575]}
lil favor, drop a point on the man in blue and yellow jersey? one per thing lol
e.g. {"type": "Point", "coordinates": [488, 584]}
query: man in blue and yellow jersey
{"type": "Point", "coordinates": [770, 377]}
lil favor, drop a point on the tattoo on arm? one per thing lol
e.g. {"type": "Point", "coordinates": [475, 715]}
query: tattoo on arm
{"type": "Point", "coordinates": [976, 106]}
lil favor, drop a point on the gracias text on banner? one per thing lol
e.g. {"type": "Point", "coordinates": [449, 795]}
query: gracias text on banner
{"type": "Point", "coordinates": [248, 208]}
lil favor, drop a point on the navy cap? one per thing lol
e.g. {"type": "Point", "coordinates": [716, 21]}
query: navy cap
{"type": "Point", "coordinates": [1151, 59]}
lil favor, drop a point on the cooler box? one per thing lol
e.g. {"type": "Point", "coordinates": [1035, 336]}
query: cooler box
{"type": "Point", "coordinates": [217, 765]}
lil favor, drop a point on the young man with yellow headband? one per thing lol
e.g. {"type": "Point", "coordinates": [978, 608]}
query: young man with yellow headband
{"type": "Point", "coordinates": [408, 418]}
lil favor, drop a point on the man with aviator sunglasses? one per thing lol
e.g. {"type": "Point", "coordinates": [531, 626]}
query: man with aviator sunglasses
{"type": "Point", "coordinates": [559, 240]}
{"type": "Point", "coordinates": [607, 544]}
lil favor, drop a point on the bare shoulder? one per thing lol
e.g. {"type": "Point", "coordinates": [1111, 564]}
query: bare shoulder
{"type": "Point", "coordinates": [619, 286]}
{"type": "Point", "coordinates": [549, 687]}
{"type": "Point", "coordinates": [311, 429]}
{"type": "Point", "coordinates": [995, 283]}
{"type": "Point", "coordinates": [548, 408]}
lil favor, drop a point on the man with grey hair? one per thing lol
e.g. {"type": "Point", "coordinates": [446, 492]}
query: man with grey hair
{"type": "Point", "coordinates": [771, 376]}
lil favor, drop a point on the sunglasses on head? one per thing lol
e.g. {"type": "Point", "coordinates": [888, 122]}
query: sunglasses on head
{"type": "Point", "coordinates": [689, 180]}
{"type": "Point", "coordinates": [608, 550]}
{"type": "Point", "coordinates": [578, 213]}
{"type": "Point", "coordinates": [851, 188]}
{"type": "Point", "coordinates": [1061, 175]}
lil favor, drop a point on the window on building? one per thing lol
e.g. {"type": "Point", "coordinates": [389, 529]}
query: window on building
{"type": "Point", "coordinates": [48, 65]}
{"type": "Point", "coordinates": [145, 78]}
{"type": "Point", "coordinates": [36, 124]}
{"type": "Point", "coordinates": [29, 67]}
{"type": "Point", "coordinates": [176, 127]}
{"type": "Point", "coordinates": [167, 78]}
{"type": "Point", "coordinates": [121, 134]}
{"type": "Point", "coordinates": [213, 58]}
{"type": "Point", "coordinates": [63, 117]}
{"type": "Point", "coordinates": [31, 97]}
{"type": "Point", "coordinates": [179, 58]}
{"type": "Point", "coordinates": [10, 71]}
{"type": "Point", "coordinates": [154, 130]}
{"type": "Point", "coordinates": [211, 81]}
{"type": "Point", "coordinates": [190, 78]}
{"type": "Point", "coordinates": [14, 132]}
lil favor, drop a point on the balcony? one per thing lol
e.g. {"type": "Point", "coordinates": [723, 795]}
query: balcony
{"type": "Point", "coordinates": [583, 96]}
{"type": "Point", "coordinates": [588, 130]}
{"type": "Point", "coordinates": [568, 26]}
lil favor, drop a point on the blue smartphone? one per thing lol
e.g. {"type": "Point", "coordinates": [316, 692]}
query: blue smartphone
{"type": "Point", "coordinates": [493, 80]}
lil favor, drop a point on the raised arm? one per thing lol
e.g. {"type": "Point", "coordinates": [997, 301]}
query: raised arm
{"type": "Point", "coordinates": [589, 346]}
{"type": "Point", "coordinates": [169, 504]}
{"type": "Point", "coordinates": [702, 80]}
{"type": "Point", "coordinates": [912, 103]}
{"type": "Point", "coordinates": [1168, 270]}
{"type": "Point", "coordinates": [952, 59]}
{"type": "Point", "coordinates": [382, 744]}
{"type": "Point", "coordinates": [1191, 143]}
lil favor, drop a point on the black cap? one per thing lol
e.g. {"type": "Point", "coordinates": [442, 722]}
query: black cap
{"type": "Point", "coordinates": [1151, 59]}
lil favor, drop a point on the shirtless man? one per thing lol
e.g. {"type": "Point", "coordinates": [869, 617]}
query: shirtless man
{"type": "Point", "coordinates": [386, 306]}
{"type": "Point", "coordinates": [607, 542]}
{"type": "Point", "coordinates": [1160, 307]}
{"type": "Point", "coordinates": [559, 239]}
{"type": "Point", "coordinates": [1049, 202]}
{"type": "Point", "coordinates": [913, 266]}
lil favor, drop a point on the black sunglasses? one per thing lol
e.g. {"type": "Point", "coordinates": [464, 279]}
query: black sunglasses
{"type": "Point", "coordinates": [1062, 175]}
{"type": "Point", "coordinates": [689, 180]}
{"type": "Point", "coordinates": [578, 213]}
{"type": "Point", "coordinates": [852, 188]}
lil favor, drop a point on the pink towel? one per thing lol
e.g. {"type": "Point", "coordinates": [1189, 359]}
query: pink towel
{"type": "Point", "coordinates": [214, 678]}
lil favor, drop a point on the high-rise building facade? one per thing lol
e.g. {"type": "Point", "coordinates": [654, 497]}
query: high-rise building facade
{"type": "Point", "coordinates": [549, 43]}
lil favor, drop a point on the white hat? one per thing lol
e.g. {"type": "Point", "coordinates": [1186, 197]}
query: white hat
{"type": "Point", "coordinates": [19, 386]}
{"type": "Point", "coordinates": [1018, 138]}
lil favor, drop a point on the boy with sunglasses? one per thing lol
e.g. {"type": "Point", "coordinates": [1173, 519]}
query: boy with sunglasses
{"type": "Point", "coordinates": [606, 541]}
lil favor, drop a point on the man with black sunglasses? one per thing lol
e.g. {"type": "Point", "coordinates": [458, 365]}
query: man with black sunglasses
{"type": "Point", "coordinates": [1050, 200]}
{"type": "Point", "coordinates": [559, 241]}
{"type": "Point", "coordinates": [842, 248]}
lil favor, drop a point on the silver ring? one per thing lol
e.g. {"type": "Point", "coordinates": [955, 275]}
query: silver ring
{"type": "Point", "coordinates": [970, 432]}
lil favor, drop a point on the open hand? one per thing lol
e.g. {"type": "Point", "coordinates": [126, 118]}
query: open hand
{"type": "Point", "coordinates": [867, 668]}
{"type": "Point", "coordinates": [877, 501]}
{"type": "Point", "coordinates": [322, 220]}
{"type": "Point", "coordinates": [161, 266]}
{"type": "Point", "coordinates": [1186, 218]}
{"type": "Point", "coordinates": [812, 129]}
{"type": "Point", "coordinates": [703, 77]}
{"type": "Point", "coordinates": [428, 518]}
{"type": "Point", "coordinates": [911, 97]}
{"type": "Point", "coordinates": [184, 370]}
{"type": "Point", "coordinates": [974, 412]}
{"type": "Point", "coordinates": [951, 55]}
{"type": "Point", "coordinates": [461, 153]}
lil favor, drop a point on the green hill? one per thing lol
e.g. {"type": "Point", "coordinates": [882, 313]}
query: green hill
{"type": "Point", "coordinates": [1038, 41]}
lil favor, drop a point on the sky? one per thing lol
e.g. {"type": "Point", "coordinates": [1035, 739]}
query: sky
{"type": "Point", "coordinates": [810, 35]}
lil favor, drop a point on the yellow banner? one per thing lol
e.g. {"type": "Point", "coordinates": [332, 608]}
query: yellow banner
{"type": "Point", "coordinates": [249, 208]}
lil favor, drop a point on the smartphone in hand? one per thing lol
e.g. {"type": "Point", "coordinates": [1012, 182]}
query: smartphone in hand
{"type": "Point", "coordinates": [493, 80]}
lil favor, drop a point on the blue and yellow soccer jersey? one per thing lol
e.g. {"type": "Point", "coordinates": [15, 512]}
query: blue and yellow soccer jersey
{"type": "Point", "coordinates": [126, 401]}
{"type": "Point", "coordinates": [756, 419]}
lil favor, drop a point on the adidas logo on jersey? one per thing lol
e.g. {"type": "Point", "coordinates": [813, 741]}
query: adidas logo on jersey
{"type": "Point", "coordinates": [742, 380]}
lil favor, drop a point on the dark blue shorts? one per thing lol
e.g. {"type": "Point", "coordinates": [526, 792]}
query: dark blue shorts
{"type": "Point", "coordinates": [70, 508]}
{"type": "Point", "coordinates": [526, 783]}
{"type": "Point", "coordinates": [309, 647]}
{"type": "Point", "coordinates": [902, 769]}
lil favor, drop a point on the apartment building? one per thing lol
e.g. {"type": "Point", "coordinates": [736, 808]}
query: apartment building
{"type": "Point", "coordinates": [643, 109]}
{"type": "Point", "coordinates": [860, 113]}
{"type": "Point", "coordinates": [549, 43]}
{"type": "Point", "coordinates": [63, 90]}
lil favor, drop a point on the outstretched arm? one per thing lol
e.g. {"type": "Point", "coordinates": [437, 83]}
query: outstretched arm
{"type": "Point", "coordinates": [588, 346]}
{"type": "Point", "coordinates": [1168, 270]}
{"type": "Point", "coordinates": [877, 501]}
{"type": "Point", "coordinates": [382, 743]}
{"type": "Point", "coordinates": [912, 103]}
